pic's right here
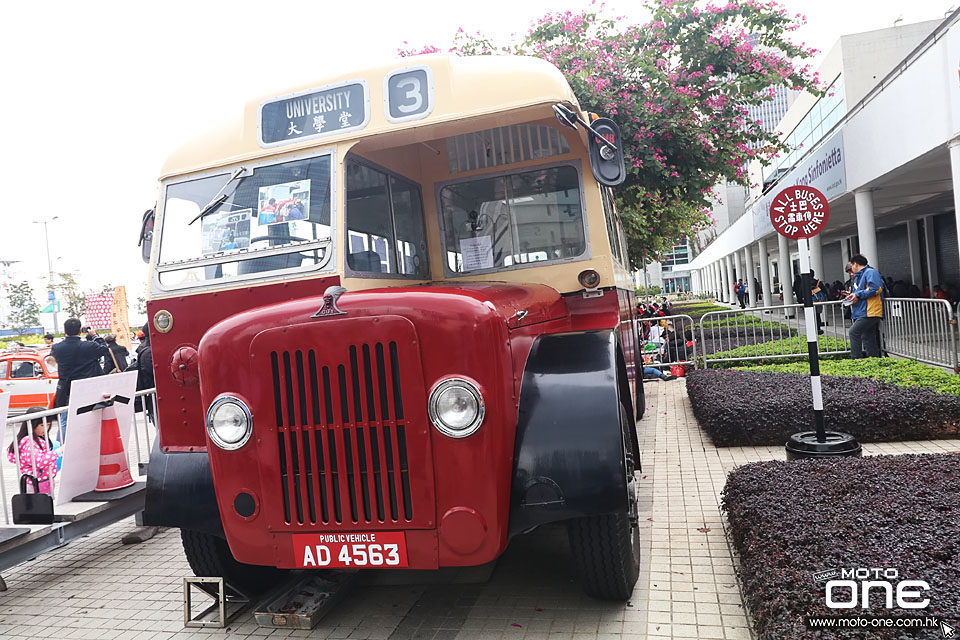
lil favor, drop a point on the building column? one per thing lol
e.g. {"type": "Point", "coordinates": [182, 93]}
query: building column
{"type": "Point", "coordinates": [748, 274]}
{"type": "Point", "coordinates": [717, 279]}
{"type": "Point", "coordinates": [786, 270]}
{"type": "Point", "coordinates": [816, 256]}
{"type": "Point", "coordinates": [731, 279]}
{"type": "Point", "coordinates": [867, 226]}
{"type": "Point", "coordinates": [913, 245]}
{"type": "Point", "coordinates": [933, 272]}
{"type": "Point", "coordinates": [954, 147]}
{"type": "Point", "coordinates": [721, 280]}
{"type": "Point", "coordinates": [766, 283]}
{"type": "Point", "coordinates": [845, 251]}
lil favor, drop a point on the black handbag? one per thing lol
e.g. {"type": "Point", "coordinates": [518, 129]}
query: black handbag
{"type": "Point", "coordinates": [32, 508]}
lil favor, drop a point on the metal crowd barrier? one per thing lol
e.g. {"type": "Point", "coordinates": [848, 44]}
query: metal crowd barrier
{"type": "Point", "coordinates": [922, 329]}
{"type": "Point", "coordinates": [138, 445]}
{"type": "Point", "coordinates": [779, 333]}
{"type": "Point", "coordinates": [664, 340]}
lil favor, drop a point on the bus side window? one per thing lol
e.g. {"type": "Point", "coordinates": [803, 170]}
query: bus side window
{"type": "Point", "coordinates": [369, 232]}
{"type": "Point", "coordinates": [613, 230]}
{"type": "Point", "coordinates": [385, 226]}
{"type": "Point", "coordinates": [409, 223]}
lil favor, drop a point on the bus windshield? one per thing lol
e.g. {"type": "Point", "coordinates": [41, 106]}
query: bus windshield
{"type": "Point", "coordinates": [275, 219]}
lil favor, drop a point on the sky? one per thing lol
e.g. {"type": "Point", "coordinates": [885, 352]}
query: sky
{"type": "Point", "coordinates": [98, 94]}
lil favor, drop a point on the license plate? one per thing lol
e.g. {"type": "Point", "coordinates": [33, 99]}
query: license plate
{"type": "Point", "coordinates": [350, 550]}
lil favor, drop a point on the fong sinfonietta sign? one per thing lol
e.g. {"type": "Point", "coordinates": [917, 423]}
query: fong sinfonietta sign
{"type": "Point", "coordinates": [824, 170]}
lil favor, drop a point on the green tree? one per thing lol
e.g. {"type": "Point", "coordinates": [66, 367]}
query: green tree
{"type": "Point", "coordinates": [24, 310]}
{"type": "Point", "coordinates": [72, 299]}
{"type": "Point", "coordinates": [679, 86]}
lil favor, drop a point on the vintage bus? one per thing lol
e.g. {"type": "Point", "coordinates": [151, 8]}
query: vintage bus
{"type": "Point", "coordinates": [392, 327]}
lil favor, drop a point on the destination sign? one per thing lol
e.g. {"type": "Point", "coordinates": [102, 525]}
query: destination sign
{"type": "Point", "coordinates": [317, 112]}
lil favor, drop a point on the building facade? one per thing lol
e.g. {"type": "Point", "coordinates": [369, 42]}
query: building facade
{"type": "Point", "coordinates": [883, 144]}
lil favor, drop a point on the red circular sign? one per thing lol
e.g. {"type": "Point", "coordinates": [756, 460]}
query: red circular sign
{"type": "Point", "coordinates": [799, 212]}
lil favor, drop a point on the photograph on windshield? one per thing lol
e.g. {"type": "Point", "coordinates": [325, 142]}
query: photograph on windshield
{"type": "Point", "coordinates": [226, 231]}
{"type": "Point", "coordinates": [284, 202]}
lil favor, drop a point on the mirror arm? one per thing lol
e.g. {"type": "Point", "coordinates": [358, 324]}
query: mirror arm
{"type": "Point", "coordinates": [569, 118]}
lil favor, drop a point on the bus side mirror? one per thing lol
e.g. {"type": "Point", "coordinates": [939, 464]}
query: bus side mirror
{"type": "Point", "coordinates": [606, 162]}
{"type": "Point", "coordinates": [146, 235]}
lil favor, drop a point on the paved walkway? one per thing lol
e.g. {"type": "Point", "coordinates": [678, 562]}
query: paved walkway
{"type": "Point", "coordinates": [97, 588]}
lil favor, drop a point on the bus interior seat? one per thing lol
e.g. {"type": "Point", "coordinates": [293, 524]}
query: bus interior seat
{"type": "Point", "coordinates": [368, 261]}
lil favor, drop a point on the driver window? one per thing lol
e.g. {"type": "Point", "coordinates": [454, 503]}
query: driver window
{"type": "Point", "coordinates": [385, 226]}
{"type": "Point", "coordinates": [23, 369]}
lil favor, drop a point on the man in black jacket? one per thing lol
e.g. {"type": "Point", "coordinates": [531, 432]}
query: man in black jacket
{"type": "Point", "coordinates": [76, 359]}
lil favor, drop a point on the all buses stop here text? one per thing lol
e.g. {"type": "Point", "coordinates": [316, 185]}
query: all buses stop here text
{"type": "Point", "coordinates": [799, 212]}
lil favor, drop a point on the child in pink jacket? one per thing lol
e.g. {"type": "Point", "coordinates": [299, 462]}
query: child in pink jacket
{"type": "Point", "coordinates": [34, 450]}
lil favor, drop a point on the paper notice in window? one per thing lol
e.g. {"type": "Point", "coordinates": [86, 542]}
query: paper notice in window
{"type": "Point", "coordinates": [477, 253]}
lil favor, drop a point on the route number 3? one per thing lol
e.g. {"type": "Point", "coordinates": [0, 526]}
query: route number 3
{"type": "Point", "coordinates": [408, 95]}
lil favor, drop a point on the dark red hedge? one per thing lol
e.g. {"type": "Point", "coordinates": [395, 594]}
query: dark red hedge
{"type": "Point", "coordinates": [744, 408]}
{"type": "Point", "coordinates": [791, 519]}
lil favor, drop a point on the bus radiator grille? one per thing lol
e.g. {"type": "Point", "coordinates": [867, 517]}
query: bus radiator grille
{"type": "Point", "coordinates": [342, 436]}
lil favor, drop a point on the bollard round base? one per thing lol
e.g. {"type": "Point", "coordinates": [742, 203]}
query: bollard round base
{"type": "Point", "coordinates": [836, 445]}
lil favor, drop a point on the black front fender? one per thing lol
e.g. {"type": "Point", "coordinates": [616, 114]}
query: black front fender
{"type": "Point", "coordinates": [568, 460]}
{"type": "Point", "coordinates": [180, 492]}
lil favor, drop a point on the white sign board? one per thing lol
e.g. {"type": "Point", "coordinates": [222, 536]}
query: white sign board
{"type": "Point", "coordinates": [477, 253]}
{"type": "Point", "coordinates": [824, 170]}
{"type": "Point", "coordinates": [81, 451]}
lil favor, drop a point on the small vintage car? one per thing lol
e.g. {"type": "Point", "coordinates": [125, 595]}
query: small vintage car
{"type": "Point", "coordinates": [30, 376]}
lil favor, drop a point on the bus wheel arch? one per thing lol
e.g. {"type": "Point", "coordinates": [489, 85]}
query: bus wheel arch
{"type": "Point", "coordinates": [575, 451]}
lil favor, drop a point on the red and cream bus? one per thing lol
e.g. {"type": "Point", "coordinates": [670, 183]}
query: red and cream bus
{"type": "Point", "coordinates": [392, 327]}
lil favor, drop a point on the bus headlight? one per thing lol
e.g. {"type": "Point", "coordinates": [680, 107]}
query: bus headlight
{"type": "Point", "coordinates": [456, 407]}
{"type": "Point", "coordinates": [229, 423]}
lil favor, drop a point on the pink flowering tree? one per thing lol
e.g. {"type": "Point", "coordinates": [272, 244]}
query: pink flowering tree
{"type": "Point", "coordinates": [679, 86]}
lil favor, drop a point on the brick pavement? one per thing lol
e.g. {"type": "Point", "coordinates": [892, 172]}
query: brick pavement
{"type": "Point", "coordinates": [97, 588]}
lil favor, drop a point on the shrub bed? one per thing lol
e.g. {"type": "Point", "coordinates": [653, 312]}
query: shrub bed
{"type": "Point", "coordinates": [697, 311]}
{"type": "Point", "coordinates": [746, 321]}
{"type": "Point", "coordinates": [881, 511]}
{"type": "Point", "coordinates": [745, 408]}
{"type": "Point", "coordinates": [904, 373]}
{"type": "Point", "coordinates": [721, 340]}
{"type": "Point", "coordinates": [794, 345]}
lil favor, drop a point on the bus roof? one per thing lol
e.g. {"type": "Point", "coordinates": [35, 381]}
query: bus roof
{"type": "Point", "coordinates": [463, 87]}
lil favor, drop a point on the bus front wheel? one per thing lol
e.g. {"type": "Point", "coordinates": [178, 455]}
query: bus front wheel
{"type": "Point", "coordinates": [209, 555]}
{"type": "Point", "coordinates": [606, 548]}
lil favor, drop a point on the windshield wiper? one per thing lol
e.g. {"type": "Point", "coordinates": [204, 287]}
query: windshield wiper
{"type": "Point", "coordinates": [223, 194]}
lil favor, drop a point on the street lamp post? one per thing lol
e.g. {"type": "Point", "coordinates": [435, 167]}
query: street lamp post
{"type": "Point", "coordinates": [46, 239]}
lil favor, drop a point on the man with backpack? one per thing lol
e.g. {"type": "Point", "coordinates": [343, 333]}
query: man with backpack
{"type": "Point", "coordinates": [865, 300]}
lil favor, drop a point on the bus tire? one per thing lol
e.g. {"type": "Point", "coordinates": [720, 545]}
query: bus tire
{"type": "Point", "coordinates": [209, 555]}
{"type": "Point", "coordinates": [606, 548]}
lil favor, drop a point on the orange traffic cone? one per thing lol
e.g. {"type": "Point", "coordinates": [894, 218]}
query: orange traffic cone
{"type": "Point", "coordinates": [114, 472]}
